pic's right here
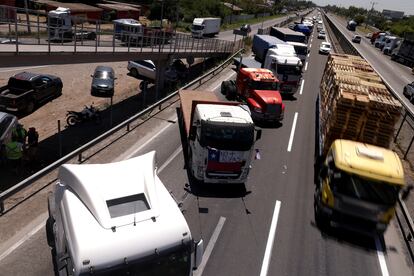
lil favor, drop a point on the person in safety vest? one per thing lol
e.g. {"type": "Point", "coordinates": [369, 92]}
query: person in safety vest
{"type": "Point", "coordinates": [14, 154]}
{"type": "Point", "coordinates": [20, 133]}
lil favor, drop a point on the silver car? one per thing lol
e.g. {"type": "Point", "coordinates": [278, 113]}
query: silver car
{"type": "Point", "coordinates": [103, 82]}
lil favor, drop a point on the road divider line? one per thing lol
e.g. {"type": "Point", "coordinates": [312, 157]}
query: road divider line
{"type": "Point", "coordinates": [270, 240]}
{"type": "Point", "coordinates": [170, 159]}
{"type": "Point", "coordinates": [306, 65]}
{"type": "Point", "coordinates": [308, 54]}
{"type": "Point", "coordinates": [24, 68]}
{"type": "Point", "coordinates": [301, 87]}
{"type": "Point", "coordinates": [210, 247]}
{"type": "Point", "coordinates": [292, 132]}
{"type": "Point", "coordinates": [381, 257]}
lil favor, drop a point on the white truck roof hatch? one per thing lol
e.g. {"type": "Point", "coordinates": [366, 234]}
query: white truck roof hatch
{"type": "Point", "coordinates": [224, 113]}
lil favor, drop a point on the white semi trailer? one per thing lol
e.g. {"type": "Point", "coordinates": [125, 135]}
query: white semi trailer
{"type": "Point", "coordinates": [118, 219]}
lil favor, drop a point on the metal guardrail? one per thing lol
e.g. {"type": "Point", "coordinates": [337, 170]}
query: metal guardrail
{"type": "Point", "coordinates": [78, 152]}
{"type": "Point", "coordinates": [349, 48]}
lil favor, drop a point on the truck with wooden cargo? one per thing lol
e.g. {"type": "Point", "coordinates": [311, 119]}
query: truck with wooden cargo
{"type": "Point", "coordinates": [219, 137]}
{"type": "Point", "coordinates": [118, 219]}
{"type": "Point", "coordinates": [259, 89]}
{"type": "Point", "coordinates": [358, 179]}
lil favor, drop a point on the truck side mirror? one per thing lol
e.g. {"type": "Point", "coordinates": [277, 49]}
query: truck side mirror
{"type": "Point", "coordinates": [193, 131]}
{"type": "Point", "coordinates": [198, 253]}
{"type": "Point", "coordinates": [406, 192]}
{"type": "Point", "coordinates": [258, 134]}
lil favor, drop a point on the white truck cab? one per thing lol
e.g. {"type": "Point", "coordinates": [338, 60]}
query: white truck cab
{"type": "Point", "coordinates": [118, 219]}
{"type": "Point", "coordinates": [60, 24]}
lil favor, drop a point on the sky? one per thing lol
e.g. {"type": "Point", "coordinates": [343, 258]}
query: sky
{"type": "Point", "coordinates": [407, 6]}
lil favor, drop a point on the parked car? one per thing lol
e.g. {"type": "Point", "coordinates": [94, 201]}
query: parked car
{"type": "Point", "coordinates": [7, 123]}
{"type": "Point", "coordinates": [409, 91]}
{"type": "Point", "coordinates": [325, 48]}
{"type": "Point", "coordinates": [103, 82]}
{"type": "Point", "coordinates": [368, 35]}
{"type": "Point", "coordinates": [146, 70]}
{"type": "Point", "coordinates": [356, 39]}
{"type": "Point", "coordinates": [322, 35]}
{"type": "Point", "coordinates": [24, 91]}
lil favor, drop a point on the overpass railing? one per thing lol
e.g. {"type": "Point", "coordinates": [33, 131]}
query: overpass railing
{"type": "Point", "coordinates": [89, 35]}
{"type": "Point", "coordinates": [404, 219]}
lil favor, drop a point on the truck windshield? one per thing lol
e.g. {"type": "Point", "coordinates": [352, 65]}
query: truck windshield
{"type": "Point", "coordinates": [289, 69]}
{"type": "Point", "coordinates": [261, 85]}
{"type": "Point", "coordinates": [226, 137]}
{"type": "Point", "coordinates": [364, 189]}
{"type": "Point", "coordinates": [198, 27]}
{"type": "Point", "coordinates": [55, 22]}
{"type": "Point", "coordinates": [177, 262]}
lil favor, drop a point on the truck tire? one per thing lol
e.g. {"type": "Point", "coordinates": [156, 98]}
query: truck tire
{"type": "Point", "coordinates": [72, 120]}
{"type": "Point", "coordinates": [30, 106]}
{"type": "Point", "coordinates": [50, 237]}
{"type": "Point", "coordinates": [231, 92]}
{"type": "Point", "coordinates": [134, 72]}
{"type": "Point", "coordinates": [321, 221]}
{"type": "Point", "coordinates": [224, 87]}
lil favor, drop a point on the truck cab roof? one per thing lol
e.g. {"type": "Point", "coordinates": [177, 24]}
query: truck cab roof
{"type": "Point", "coordinates": [258, 74]}
{"type": "Point", "coordinates": [224, 113]}
{"type": "Point", "coordinates": [281, 57]}
{"type": "Point", "coordinates": [118, 211]}
{"type": "Point", "coordinates": [370, 161]}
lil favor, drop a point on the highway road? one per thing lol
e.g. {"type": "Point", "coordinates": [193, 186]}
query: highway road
{"type": "Point", "coordinates": [396, 74]}
{"type": "Point", "coordinates": [238, 223]}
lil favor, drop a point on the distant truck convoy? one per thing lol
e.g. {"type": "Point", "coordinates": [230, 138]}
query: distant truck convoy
{"type": "Point", "coordinates": [60, 26]}
{"type": "Point", "coordinates": [259, 89]}
{"type": "Point", "coordinates": [358, 180]}
{"type": "Point", "coordinates": [279, 57]}
{"type": "Point", "coordinates": [208, 26]}
{"type": "Point", "coordinates": [351, 25]}
{"type": "Point", "coordinates": [219, 135]}
{"type": "Point", "coordinates": [118, 219]}
{"type": "Point", "coordinates": [24, 91]}
{"type": "Point", "coordinates": [404, 53]}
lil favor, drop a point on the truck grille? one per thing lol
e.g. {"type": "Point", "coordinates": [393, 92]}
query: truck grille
{"type": "Point", "coordinates": [273, 109]}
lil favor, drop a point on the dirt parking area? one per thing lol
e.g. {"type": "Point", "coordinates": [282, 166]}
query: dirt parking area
{"type": "Point", "coordinates": [76, 80]}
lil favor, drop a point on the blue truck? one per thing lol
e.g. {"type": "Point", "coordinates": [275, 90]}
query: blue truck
{"type": "Point", "coordinates": [302, 29]}
{"type": "Point", "coordinates": [262, 43]}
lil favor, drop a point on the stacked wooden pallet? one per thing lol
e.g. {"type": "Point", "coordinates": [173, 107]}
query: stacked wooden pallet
{"type": "Point", "coordinates": [355, 104]}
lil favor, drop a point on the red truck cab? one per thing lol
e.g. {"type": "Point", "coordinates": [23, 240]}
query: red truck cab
{"type": "Point", "coordinates": [259, 88]}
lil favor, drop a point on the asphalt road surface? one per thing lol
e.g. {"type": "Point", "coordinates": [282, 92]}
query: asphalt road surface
{"type": "Point", "coordinates": [239, 223]}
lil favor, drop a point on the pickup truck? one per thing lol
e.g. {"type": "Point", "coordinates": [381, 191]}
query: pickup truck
{"type": "Point", "coordinates": [25, 91]}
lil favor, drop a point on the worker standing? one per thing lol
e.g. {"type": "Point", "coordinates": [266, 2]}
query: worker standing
{"type": "Point", "coordinates": [20, 133]}
{"type": "Point", "coordinates": [14, 154]}
{"type": "Point", "coordinates": [32, 143]}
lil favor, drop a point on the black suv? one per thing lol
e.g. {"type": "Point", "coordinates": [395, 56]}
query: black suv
{"type": "Point", "coordinates": [103, 82]}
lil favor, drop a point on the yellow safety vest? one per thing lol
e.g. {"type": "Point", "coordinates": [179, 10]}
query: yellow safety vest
{"type": "Point", "coordinates": [14, 151]}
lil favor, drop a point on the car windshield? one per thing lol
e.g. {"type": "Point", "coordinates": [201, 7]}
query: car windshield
{"type": "Point", "coordinates": [262, 85]}
{"type": "Point", "coordinates": [103, 75]}
{"type": "Point", "coordinates": [326, 46]}
{"type": "Point", "coordinates": [177, 262]}
{"type": "Point", "coordinates": [361, 188]}
{"type": "Point", "coordinates": [226, 137]}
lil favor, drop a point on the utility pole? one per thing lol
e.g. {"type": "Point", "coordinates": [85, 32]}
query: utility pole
{"type": "Point", "coordinates": [27, 17]}
{"type": "Point", "coordinates": [369, 12]}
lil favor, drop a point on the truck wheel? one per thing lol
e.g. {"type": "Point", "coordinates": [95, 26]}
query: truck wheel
{"type": "Point", "coordinates": [321, 221]}
{"type": "Point", "coordinates": [30, 107]}
{"type": "Point", "coordinates": [134, 72]}
{"type": "Point", "coordinates": [49, 232]}
{"type": "Point", "coordinates": [72, 120]}
{"type": "Point", "coordinates": [231, 92]}
{"type": "Point", "coordinates": [224, 87]}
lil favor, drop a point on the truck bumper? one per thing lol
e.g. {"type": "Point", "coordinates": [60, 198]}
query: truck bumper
{"type": "Point", "coordinates": [11, 109]}
{"type": "Point", "coordinates": [224, 178]}
{"type": "Point", "coordinates": [264, 117]}
{"type": "Point", "coordinates": [336, 218]}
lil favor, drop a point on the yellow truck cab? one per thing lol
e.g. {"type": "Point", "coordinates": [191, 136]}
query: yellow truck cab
{"type": "Point", "coordinates": [358, 187]}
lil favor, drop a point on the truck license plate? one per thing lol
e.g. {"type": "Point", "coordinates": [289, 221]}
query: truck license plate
{"type": "Point", "coordinates": [230, 156]}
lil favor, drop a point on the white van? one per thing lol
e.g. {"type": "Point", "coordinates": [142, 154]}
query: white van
{"type": "Point", "coordinates": [209, 26]}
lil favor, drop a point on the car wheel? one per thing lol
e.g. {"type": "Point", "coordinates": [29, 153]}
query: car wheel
{"type": "Point", "coordinates": [72, 120]}
{"type": "Point", "coordinates": [134, 72]}
{"type": "Point", "coordinates": [30, 107]}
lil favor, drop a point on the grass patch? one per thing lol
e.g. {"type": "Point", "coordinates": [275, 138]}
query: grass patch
{"type": "Point", "coordinates": [365, 30]}
{"type": "Point", "coordinates": [236, 25]}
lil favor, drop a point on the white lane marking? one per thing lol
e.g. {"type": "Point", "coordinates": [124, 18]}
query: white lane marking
{"type": "Point", "coordinates": [292, 132]}
{"type": "Point", "coordinates": [171, 158]}
{"type": "Point", "coordinates": [210, 246]}
{"type": "Point", "coordinates": [27, 236]}
{"type": "Point", "coordinates": [301, 87]}
{"type": "Point", "coordinates": [23, 68]}
{"type": "Point", "coordinates": [381, 258]}
{"type": "Point", "coordinates": [306, 65]}
{"type": "Point", "coordinates": [308, 54]}
{"type": "Point", "coordinates": [270, 240]}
